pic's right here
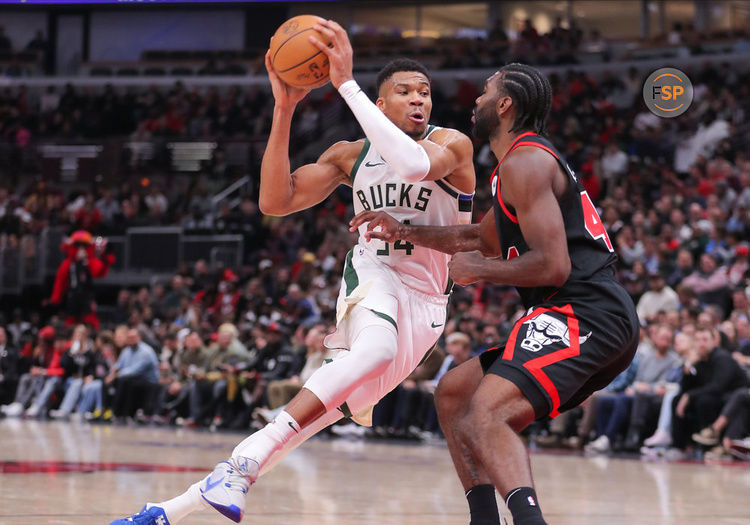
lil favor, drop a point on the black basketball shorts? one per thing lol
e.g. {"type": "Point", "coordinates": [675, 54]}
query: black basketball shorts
{"type": "Point", "coordinates": [560, 352]}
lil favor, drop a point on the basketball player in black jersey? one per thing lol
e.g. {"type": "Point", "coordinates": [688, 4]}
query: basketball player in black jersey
{"type": "Point", "coordinates": [580, 328]}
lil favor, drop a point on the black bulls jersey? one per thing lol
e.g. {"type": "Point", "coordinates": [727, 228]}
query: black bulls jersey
{"type": "Point", "coordinates": [589, 246]}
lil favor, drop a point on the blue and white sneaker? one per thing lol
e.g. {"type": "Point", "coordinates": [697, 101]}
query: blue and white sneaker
{"type": "Point", "coordinates": [225, 488]}
{"type": "Point", "coordinates": [147, 516]}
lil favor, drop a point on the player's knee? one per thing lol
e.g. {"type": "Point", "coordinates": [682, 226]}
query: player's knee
{"type": "Point", "coordinates": [448, 395]}
{"type": "Point", "coordinates": [484, 415]}
{"type": "Point", "coordinates": [376, 347]}
{"type": "Point", "coordinates": [470, 428]}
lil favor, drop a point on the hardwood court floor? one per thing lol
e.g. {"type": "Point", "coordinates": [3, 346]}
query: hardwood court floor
{"type": "Point", "coordinates": [85, 475]}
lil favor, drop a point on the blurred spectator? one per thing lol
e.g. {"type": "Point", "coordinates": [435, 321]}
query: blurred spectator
{"type": "Point", "coordinates": [614, 164]}
{"type": "Point", "coordinates": [739, 268]}
{"type": "Point", "coordinates": [614, 412]}
{"type": "Point", "coordinates": [91, 399]}
{"type": "Point", "coordinates": [108, 208]}
{"type": "Point", "coordinates": [8, 368]}
{"type": "Point", "coordinates": [659, 298]}
{"type": "Point", "coordinates": [30, 384]}
{"type": "Point", "coordinates": [710, 376]}
{"type": "Point", "coordinates": [62, 374]}
{"type": "Point", "coordinates": [684, 343]}
{"type": "Point", "coordinates": [732, 424]}
{"type": "Point", "coordinates": [588, 421]}
{"type": "Point", "coordinates": [281, 391]}
{"type": "Point", "coordinates": [210, 384]}
{"type": "Point", "coordinates": [38, 43]}
{"type": "Point", "coordinates": [5, 43]}
{"type": "Point", "coordinates": [683, 267]}
{"type": "Point", "coordinates": [709, 281]}
{"type": "Point", "coordinates": [134, 376]}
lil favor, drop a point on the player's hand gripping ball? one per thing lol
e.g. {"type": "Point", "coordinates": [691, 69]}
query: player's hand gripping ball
{"type": "Point", "coordinates": [295, 60]}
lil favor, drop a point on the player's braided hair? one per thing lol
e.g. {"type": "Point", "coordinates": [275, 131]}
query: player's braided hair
{"type": "Point", "coordinates": [399, 64]}
{"type": "Point", "coordinates": [531, 94]}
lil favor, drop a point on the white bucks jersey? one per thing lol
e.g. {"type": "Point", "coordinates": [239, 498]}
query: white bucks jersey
{"type": "Point", "coordinates": [377, 187]}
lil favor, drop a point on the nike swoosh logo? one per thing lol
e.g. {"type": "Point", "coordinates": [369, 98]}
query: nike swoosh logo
{"type": "Point", "coordinates": [210, 484]}
{"type": "Point", "coordinates": [292, 426]}
{"type": "Point", "coordinates": [368, 164]}
{"type": "Point", "coordinates": [436, 325]}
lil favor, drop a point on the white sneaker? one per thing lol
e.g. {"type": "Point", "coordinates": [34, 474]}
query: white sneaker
{"type": "Point", "coordinates": [13, 410]}
{"type": "Point", "coordinates": [600, 445]}
{"type": "Point", "coordinates": [33, 411]}
{"type": "Point", "coordinates": [674, 454]}
{"type": "Point", "coordinates": [349, 430]}
{"type": "Point", "coordinates": [661, 438]}
{"type": "Point", "coordinates": [225, 488]}
{"type": "Point", "coordinates": [58, 414]}
{"type": "Point", "coordinates": [264, 415]}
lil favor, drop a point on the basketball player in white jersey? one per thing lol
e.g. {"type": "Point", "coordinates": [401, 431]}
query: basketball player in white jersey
{"type": "Point", "coordinates": [394, 296]}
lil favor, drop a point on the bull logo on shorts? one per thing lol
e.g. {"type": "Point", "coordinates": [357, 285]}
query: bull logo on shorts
{"type": "Point", "coordinates": [544, 330]}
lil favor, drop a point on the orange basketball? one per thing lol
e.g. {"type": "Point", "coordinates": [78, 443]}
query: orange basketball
{"type": "Point", "coordinates": [294, 58]}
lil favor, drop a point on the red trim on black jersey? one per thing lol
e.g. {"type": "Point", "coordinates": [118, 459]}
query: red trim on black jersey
{"type": "Point", "coordinates": [500, 198]}
{"type": "Point", "coordinates": [513, 145]}
{"type": "Point", "coordinates": [535, 366]}
{"type": "Point", "coordinates": [529, 143]}
{"type": "Point", "coordinates": [502, 204]}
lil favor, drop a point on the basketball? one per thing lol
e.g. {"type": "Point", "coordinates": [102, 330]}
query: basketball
{"type": "Point", "coordinates": [295, 60]}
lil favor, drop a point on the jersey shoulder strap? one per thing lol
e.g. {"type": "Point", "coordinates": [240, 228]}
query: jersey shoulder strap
{"type": "Point", "coordinates": [360, 158]}
{"type": "Point", "coordinates": [532, 139]}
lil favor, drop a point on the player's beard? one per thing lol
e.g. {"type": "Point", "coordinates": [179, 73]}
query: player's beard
{"type": "Point", "coordinates": [416, 133]}
{"type": "Point", "coordinates": [486, 122]}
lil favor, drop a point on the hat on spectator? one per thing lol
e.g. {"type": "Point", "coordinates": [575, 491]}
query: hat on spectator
{"type": "Point", "coordinates": [654, 274]}
{"type": "Point", "coordinates": [457, 337]}
{"type": "Point", "coordinates": [47, 332]}
{"type": "Point", "coordinates": [229, 275]}
{"type": "Point", "coordinates": [308, 257]}
{"type": "Point", "coordinates": [228, 327]}
{"type": "Point", "coordinates": [182, 334]}
{"type": "Point", "coordinates": [81, 236]}
{"type": "Point", "coordinates": [742, 250]}
{"type": "Point", "coordinates": [265, 263]}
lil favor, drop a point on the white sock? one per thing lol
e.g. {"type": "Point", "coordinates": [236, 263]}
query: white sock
{"type": "Point", "coordinates": [178, 508]}
{"type": "Point", "coordinates": [260, 446]}
{"type": "Point", "coordinates": [310, 430]}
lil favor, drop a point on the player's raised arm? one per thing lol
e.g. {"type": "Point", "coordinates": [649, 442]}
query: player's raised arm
{"type": "Point", "coordinates": [283, 192]}
{"type": "Point", "coordinates": [407, 158]}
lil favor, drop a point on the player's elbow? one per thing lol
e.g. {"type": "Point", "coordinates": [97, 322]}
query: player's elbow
{"type": "Point", "coordinates": [414, 174]}
{"type": "Point", "coordinates": [414, 168]}
{"type": "Point", "coordinates": [268, 207]}
{"type": "Point", "coordinates": [558, 272]}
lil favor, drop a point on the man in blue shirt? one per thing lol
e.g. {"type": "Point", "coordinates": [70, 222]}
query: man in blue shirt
{"type": "Point", "coordinates": [135, 376]}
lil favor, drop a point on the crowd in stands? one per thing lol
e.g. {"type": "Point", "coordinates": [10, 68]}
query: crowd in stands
{"type": "Point", "coordinates": [563, 43]}
{"type": "Point", "coordinates": [37, 43]}
{"type": "Point", "coordinates": [215, 346]}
